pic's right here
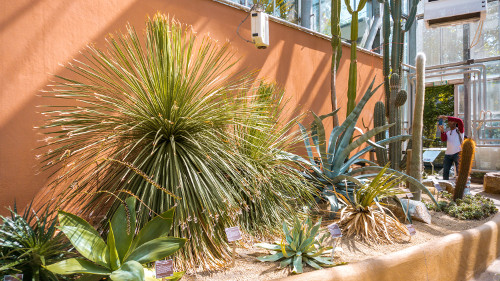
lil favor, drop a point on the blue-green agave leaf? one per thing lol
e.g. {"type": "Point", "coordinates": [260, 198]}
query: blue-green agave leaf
{"type": "Point", "coordinates": [77, 266]}
{"type": "Point", "coordinates": [274, 257]}
{"type": "Point", "coordinates": [123, 224]}
{"type": "Point", "coordinates": [307, 143]}
{"type": "Point", "coordinates": [129, 271]}
{"type": "Point", "coordinates": [359, 141]}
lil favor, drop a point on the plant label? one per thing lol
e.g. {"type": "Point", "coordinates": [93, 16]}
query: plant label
{"type": "Point", "coordinates": [408, 193]}
{"type": "Point", "coordinates": [430, 155]}
{"type": "Point", "coordinates": [233, 233]}
{"type": "Point", "coordinates": [411, 229]}
{"type": "Point", "coordinates": [164, 268]}
{"type": "Point", "coordinates": [335, 230]}
{"type": "Point", "coordinates": [438, 187]}
{"type": "Point", "coordinates": [15, 277]}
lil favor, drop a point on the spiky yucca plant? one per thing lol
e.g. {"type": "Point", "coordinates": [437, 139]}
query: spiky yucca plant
{"type": "Point", "coordinates": [366, 217]}
{"type": "Point", "coordinates": [168, 106]}
{"type": "Point", "coordinates": [282, 190]}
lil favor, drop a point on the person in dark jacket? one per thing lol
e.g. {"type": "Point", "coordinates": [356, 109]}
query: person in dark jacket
{"type": "Point", "coordinates": [453, 138]}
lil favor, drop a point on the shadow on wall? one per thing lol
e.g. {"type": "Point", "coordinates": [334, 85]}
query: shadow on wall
{"type": "Point", "coordinates": [41, 34]}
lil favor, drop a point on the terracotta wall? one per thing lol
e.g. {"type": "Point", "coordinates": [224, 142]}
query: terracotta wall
{"type": "Point", "coordinates": [37, 36]}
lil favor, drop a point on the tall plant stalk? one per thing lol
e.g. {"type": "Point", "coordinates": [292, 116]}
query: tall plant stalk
{"type": "Point", "coordinates": [418, 126]}
{"type": "Point", "coordinates": [392, 60]}
{"type": "Point", "coordinates": [336, 43]}
{"type": "Point", "coordinates": [353, 67]}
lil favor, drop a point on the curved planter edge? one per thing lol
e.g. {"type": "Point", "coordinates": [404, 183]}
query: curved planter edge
{"type": "Point", "coordinates": [457, 256]}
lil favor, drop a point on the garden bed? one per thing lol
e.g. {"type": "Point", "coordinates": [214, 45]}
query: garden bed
{"type": "Point", "coordinates": [249, 268]}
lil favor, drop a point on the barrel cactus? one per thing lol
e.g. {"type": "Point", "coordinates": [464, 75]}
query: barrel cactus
{"type": "Point", "coordinates": [466, 159]}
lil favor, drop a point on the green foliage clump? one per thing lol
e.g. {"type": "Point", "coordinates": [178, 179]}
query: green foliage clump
{"type": "Point", "coordinates": [471, 207]}
{"type": "Point", "coordinates": [438, 101]}
{"type": "Point", "coordinates": [301, 246]}
{"type": "Point", "coordinates": [277, 179]}
{"type": "Point", "coordinates": [122, 256]}
{"type": "Point", "coordinates": [365, 217]}
{"type": "Point", "coordinates": [335, 171]}
{"type": "Point", "coordinates": [30, 241]}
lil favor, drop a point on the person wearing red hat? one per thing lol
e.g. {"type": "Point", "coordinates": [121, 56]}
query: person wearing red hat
{"type": "Point", "coordinates": [453, 138]}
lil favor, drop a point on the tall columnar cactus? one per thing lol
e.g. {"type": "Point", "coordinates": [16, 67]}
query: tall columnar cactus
{"type": "Point", "coordinates": [379, 120]}
{"type": "Point", "coordinates": [417, 127]}
{"type": "Point", "coordinates": [336, 53]}
{"type": "Point", "coordinates": [397, 98]}
{"type": "Point", "coordinates": [353, 67]}
{"type": "Point", "coordinates": [466, 159]}
{"type": "Point", "coordinates": [394, 96]}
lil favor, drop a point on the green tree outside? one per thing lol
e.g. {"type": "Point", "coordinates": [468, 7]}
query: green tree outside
{"type": "Point", "coordinates": [439, 100]}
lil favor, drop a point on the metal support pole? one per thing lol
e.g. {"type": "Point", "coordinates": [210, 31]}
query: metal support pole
{"type": "Point", "coordinates": [466, 55]}
{"type": "Point", "coordinates": [305, 13]}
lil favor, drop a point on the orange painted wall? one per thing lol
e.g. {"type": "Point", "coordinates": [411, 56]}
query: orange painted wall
{"type": "Point", "coordinates": [38, 35]}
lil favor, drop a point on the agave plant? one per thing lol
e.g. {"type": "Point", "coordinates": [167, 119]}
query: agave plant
{"type": "Point", "coordinates": [283, 189]}
{"type": "Point", "coordinates": [302, 246]}
{"type": "Point", "coordinates": [30, 241]}
{"type": "Point", "coordinates": [365, 215]}
{"type": "Point", "coordinates": [168, 107]}
{"type": "Point", "coordinates": [334, 170]}
{"type": "Point", "coordinates": [122, 256]}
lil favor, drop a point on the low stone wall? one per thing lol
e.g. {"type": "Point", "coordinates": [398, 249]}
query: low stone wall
{"type": "Point", "coordinates": [491, 183]}
{"type": "Point", "coordinates": [457, 256]}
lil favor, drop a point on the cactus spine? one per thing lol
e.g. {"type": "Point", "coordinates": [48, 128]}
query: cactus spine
{"type": "Point", "coordinates": [394, 97]}
{"type": "Point", "coordinates": [353, 67]}
{"type": "Point", "coordinates": [379, 120]}
{"type": "Point", "coordinates": [417, 127]}
{"type": "Point", "coordinates": [466, 159]}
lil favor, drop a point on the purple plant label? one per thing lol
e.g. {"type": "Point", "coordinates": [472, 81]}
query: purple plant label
{"type": "Point", "coordinates": [164, 268]}
{"type": "Point", "coordinates": [438, 187]}
{"type": "Point", "coordinates": [411, 229]}
{"type": "Point", "coordinates": [335, 230]}
{"type": "Point", "coordinates": [233, 233]}
{"type": "Point", "coordinates": [15, 277]}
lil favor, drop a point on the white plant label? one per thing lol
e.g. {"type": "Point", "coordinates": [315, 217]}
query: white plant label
{"type": "Point", "coordinates": [233, 233]}
{"type": "Point", "coordinates": [15, 277]}
{"type": "Point", "coordinates": [335, 230]}
{"type": "Point", "coordinates": [437, 186]}
{"type": "Point", "coordinates": [411, 229]}
{"type": "Point", "coordinates": [408, 193]}
{"type": "Point", "coordinates": [164, 268]}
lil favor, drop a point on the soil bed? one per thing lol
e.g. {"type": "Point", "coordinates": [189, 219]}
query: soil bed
{"type": "Point", "coordinates": [248, 268]}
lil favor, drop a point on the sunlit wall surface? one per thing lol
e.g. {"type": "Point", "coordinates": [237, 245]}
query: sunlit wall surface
{"type": "Point", "coordinates": [442, 45]}
{"type": "Point", "coordinates": [319, 15]}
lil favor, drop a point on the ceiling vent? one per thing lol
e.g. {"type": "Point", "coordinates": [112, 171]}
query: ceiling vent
{"type": "Point", "coordinates": [453, 12]}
